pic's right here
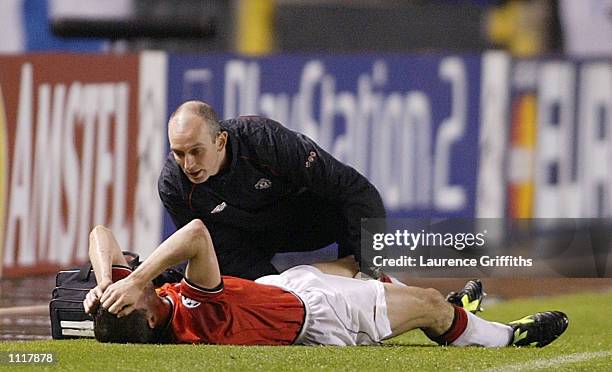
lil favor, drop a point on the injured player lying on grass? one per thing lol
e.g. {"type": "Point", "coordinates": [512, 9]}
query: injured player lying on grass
{"type": "Point", "coordinates": [304, 305]}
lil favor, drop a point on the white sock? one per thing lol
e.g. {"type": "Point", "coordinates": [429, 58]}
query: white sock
{"type": "Point", "coordinates": [484, 333]}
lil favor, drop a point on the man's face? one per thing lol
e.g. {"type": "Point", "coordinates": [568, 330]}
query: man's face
{"type": "Point", "coordinates": [156, 309]}
{"type": "Point", "coordinates": [195, 151]}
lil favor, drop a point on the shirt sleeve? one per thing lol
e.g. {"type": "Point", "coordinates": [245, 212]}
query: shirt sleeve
{"type": "Point", "coordinates": [305, 164]}
{"type": "Point", "coordinates": [199, 293]}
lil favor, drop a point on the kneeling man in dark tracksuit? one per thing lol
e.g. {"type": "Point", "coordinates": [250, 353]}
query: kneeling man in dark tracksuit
{"type": "Point", "coordinates": [261, 188]}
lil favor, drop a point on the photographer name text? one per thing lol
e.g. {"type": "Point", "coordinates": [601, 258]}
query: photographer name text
{"type": "Point", "coordinates": [483, 261]}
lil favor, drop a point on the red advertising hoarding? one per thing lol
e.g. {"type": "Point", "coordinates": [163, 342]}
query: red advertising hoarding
{"type": "Point", "coordinates": [69, 156]}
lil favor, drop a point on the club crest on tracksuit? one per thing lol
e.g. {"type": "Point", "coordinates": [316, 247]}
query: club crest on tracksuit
{"type": "Point", "coordinates": [219, 208]}
{"type": "Point", "coordinates": [189, 303]}
{"type": "Point", "coordinates": [263, 183]}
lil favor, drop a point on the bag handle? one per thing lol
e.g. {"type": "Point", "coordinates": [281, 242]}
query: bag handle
{"type": "Point", "coordinates": [135, 259]}
{"type": "Point", "coordinates": [86, 270]}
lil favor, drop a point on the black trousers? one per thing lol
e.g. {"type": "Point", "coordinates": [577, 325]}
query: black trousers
{"type": "Point", "coordinates": [248, 255]}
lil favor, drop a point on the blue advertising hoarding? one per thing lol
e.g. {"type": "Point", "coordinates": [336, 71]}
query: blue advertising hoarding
{"type": "Point", "coordinates": [408, 123]}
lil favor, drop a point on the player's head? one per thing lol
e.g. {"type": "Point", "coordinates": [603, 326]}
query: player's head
{"type": "Point", "coordinates": [133, 328]}
{"type": "Point", "coordinates": [196, 140]}
{"type": "Point", "coordinates": [145, 325]}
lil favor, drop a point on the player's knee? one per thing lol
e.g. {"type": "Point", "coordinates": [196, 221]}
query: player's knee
{"type": "Point", "coordinates": [433, 298]}
{"type": "Point", "coordinates": [438, 308]}
{"type": "Point", "coordinates": [427, 299]}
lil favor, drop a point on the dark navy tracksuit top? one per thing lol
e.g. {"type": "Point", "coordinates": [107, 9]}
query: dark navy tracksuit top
{"type": "Point", "coordinates": [280, 192]}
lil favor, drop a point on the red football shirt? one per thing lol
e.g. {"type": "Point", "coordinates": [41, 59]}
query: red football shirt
{"type": "Point", "coordinates": [242, 312]}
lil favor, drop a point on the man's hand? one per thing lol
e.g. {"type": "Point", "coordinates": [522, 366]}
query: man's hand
{"type": "Point", "coordinates": [92, 300]}
{"type": "Point", "coordinates": [121, 297]}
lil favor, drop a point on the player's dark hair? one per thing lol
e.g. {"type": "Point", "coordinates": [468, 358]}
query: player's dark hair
{"type": "Point", "coordinates": [205, 112]}
{"type": "Point", "coordinates": [133, 328]}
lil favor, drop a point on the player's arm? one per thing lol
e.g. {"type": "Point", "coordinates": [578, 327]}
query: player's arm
{"type": "Point", "coordinates": [104, 252]}
{"type": "Point", "coordinates": [192, 243]}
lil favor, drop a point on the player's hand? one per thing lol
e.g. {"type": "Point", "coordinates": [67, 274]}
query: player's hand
{"type": "Point", "coordinates": [92, 300]}
{"type": "Point", "coordinates": [121, 297]}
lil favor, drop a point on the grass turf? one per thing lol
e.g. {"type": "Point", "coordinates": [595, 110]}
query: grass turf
{"type": "Point", "coordinates": [586, 345]}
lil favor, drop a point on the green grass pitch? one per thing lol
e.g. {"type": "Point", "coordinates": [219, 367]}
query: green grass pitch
{"type": "Point", "coordinates": [585, 346]}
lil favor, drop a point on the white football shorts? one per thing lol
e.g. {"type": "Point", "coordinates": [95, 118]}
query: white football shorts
{"type": "Point", "coordinates": [339, 311]}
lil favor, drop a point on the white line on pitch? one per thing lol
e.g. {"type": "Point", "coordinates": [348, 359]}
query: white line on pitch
{"type": "Point", "coordinates": [553, 362]}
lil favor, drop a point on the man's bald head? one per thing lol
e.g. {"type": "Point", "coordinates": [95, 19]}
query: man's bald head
{"type": "Point", "coordinates": [190, 109]}
{"type": "Point", "coordinates": [196, 140]}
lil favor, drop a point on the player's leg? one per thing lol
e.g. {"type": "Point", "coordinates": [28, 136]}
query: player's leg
{"type": "Point", "coordinates": [349, 268]}
{"type": "Point", "coordinates": [538, 329]}
{"type": "Point", "coordinates": [411, 307]}
{"type": "Point", "coordinates": [346, 266]}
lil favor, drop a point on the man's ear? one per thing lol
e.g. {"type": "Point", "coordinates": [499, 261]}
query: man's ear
{"type": "Point", "coordinates": [152, 321]}
{"type": "Point", "coordinates": [221, 141]}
